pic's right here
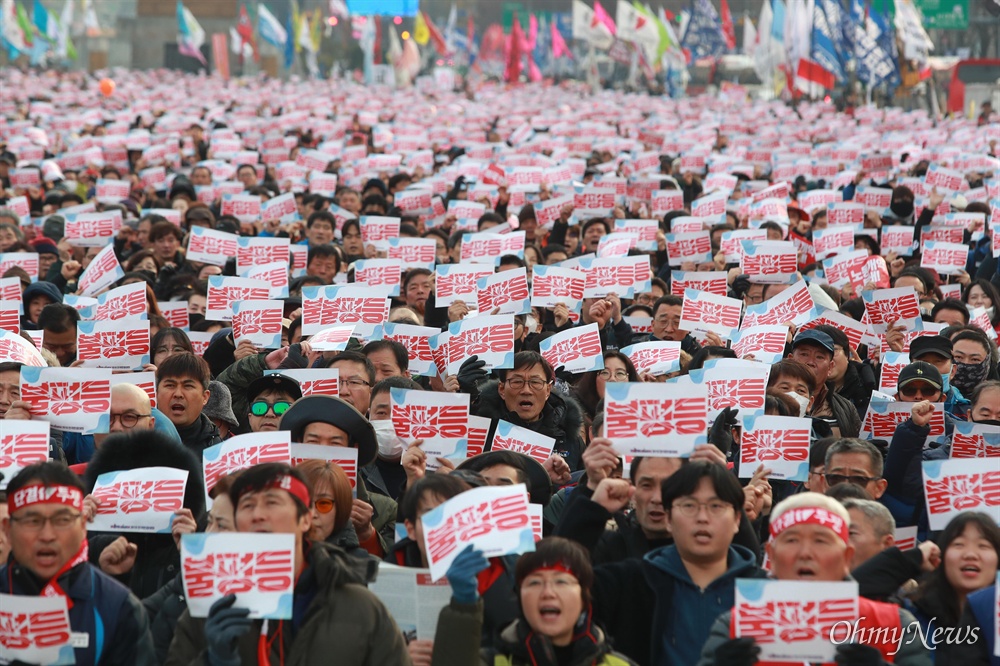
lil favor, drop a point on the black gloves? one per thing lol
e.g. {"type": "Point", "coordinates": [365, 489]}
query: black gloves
{"type": "Point", "coordinates": [223, 629]}
{"type": "Point", "coordinates": [856, 654]}
{"type": "Point", "coordinates": [470, 374]}
{"type": "Point", "coordinates": [737, 652]}
{"type": "Point", "coordinates": [721, 432]}
{"type": "Point", "coordinates": [295, 359]}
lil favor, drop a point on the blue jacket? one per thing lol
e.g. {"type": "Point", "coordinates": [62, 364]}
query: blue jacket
{"type": "Point", "coordinates": [904, 496]}
{"type": "Point", "coordinates": [115, 623]}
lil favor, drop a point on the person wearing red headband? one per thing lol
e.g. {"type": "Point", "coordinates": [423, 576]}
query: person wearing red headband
{"type": "Point", "coordinates": [810, 542]}
{"type": "Point", "coordinates": [334, 615]}
{"type": "Point", "coordinates": [48, 537]}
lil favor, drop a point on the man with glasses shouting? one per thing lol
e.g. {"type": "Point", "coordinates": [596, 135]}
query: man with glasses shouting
{"type": "Point", "coordinates": [48, 535]}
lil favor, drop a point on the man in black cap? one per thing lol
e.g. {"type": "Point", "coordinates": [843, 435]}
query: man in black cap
{"type": "Point", "coordinates": [937, 350]}
{"type": "Point", "coordinates": [328, 421]}
{"type": "Point", "coordinates": [919, 381]}
{"type": "Point", "coordinates": [814, 349]}
{"type": "Point", "coordinates": [268, 398]}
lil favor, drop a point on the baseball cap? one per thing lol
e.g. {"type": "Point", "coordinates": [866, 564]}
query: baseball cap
{"type": "Point", "coordinates": [920, 371]}
{"type": "Point", "coordinates": [931, 344]}
{"type": "Point", "coordinates": [276, 381]}
{"type": "Point", "coordinates": [816, 337]}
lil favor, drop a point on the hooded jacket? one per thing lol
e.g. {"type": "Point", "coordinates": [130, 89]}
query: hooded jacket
{"type": "Point", "coordinates": [562, 419]}
{"type": "Point", "coordinates": [335, 620]}
{"type": "Point", "coordinates": [157, 560]}
{"type": "Point", "coordinates": [33, 290]}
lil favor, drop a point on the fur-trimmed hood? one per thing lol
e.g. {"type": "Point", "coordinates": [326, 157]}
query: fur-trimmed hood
{"type": "Point", "coordinates": [148, 448]}
{"type": "Point", "coordinates": [562, 419]}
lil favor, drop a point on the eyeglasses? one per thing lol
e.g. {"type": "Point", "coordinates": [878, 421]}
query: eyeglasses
{"type": "Point", "coordinates": [691, 508]}
{"type": "Point", "coordinates": [128, 419]}
{"type": "Point", "coordinates": [517, 383]}
{"type": "Point", "coordinates": [924, 391]}
{"type": "Point", "coordinates": [355, 382]}
{"type": "Point", "coordinates": [324, 505]}
{"type": "Point", "coordinates": [34, 523]}
{"type": "Point", "coordinates": [260, 407]}
{"type": "Point", "coordinates": [620, 375]}
{"type": "Point", "coordinates": [862, 481]}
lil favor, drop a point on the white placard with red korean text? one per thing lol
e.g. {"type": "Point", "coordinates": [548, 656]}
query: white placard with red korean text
{"type": "Point", "coordinates": [414, 252]}
{"type": "Point", "coordinates": [332, 338]}
{"type": "Point", "coordinates": [882, 417]}
{"type": "Point", "coordinates": [71, 399]}
{"type": "Point", "coordinates": [92, 229]}
{"type": "Point", "coordinates": [975, 440]}
{"type": "Point", "coordinates": [313, 381]}
{"type": "Point", "coordinates": [551, 285]}
{"type": "Point", "coordinates": [459, 282]}
{"type": "Point", "coordinates": [665, 201]}
{"type": "Point", "coordinates": [209, 246]}
{"type": "Point", "coordinates": [440, 419]}
{"type": "Point", "coordinates": [258, 321]}
{"type": "Point", "coordinates": [176, 312]}
{"type": "Point", "coordinates": [22, 443]}
{"type": "Point", "coordinates": [300, 260]}
{"type": "Point", "coordinates": [138, 500]}
{"type": "Point", "coordinates": [275, 274]}
{"type": "Point", "coordinates": [833, 239]}
{"type": "Point", "coordinates": [486, 247]}
{"type": "Point", "coordinates": [122, 344]}
{"type": "Point", "coordinates": [281, 209]}
{"type": "Point", "coordinates": [898, 238]}
{"type": "Point", "coordinates": [646, 230]}
{"type": "Point", "coordinates": [892, 364]}
{"type": "Point", "coordinates": [690, 247]}
{"type": "Point", "coordinates": [780, 443]}
{"type": "Point", "coordinates": [577, 349]}
{"type": "Point", "coordinates": [714, 282]}
{"type": "Point", "coordinates": [332, 305]}
{"type": "Point", "coordinates": [765, 344]}
{"type": "Point", "coordinates": [905, 537]}
{"type": "Point", "coordinates": [377, 230]}
{"type": "Point", "coordinates": [654, 419]}
{"type": "Point", "coordinates": [379, 273]}
{"type": "Point", "coordinates": [490, 337]}
{"type": "Point", "coordinates": [345, 457]}
{"type": "Point", "coordinates": [794, 305]}
{"type": "Point", "coordinates": [892, 306]}
{"type": "Point", "coordinates": [795, 621]}
{"type": "Point", "coordinates": [945, 258]}
{"type": "Point", "coordinates": [617, 244]}
{"type": "Point", "coordinates": [731, 243]}
{"type": "Point", "coordinates": [244, 207]}
{"type": "Point", "coordinates": [734, 382]}
{"type": "Point", "coordinates": [224, 290]}
{"type": "Point", "coordinates": [412, 598]}
{"type": "Point", "coordinates": [659, 357]}
{"type": "Point", "coordinates": [110, 191]}
{"type": "Point", "coordinates": [243, 451]}
{"type": "Point", "coordinates": [15, 348]}
{"type": "Point", "coordinates": [416, 339]}
{"type": "Point", "coordinates": [10, 316]}
{"type": "Point", "coordinates": [103, 271]}
{"type": "Point", "coordinates": [507, 290]}
{"type": "Point", "coordinates": [954, 486]}
{"type": "Point", "coordinates": [494, 519]}
{"type": "Point", "coordinates": [769, 262]}
{"type": "Point", "coordinates": [510, 437]}
{"type": "Point", "coordinates": [26, 260]}
{"type": "Point", "coordinates": [704, 311]}
{"type": "Point", "coordinates": [873, 198]}
{"type": "Point", "coordinates": [145, 380]}
{"type": "Point", "coordinates": [258, 568]}
{"type": "Point", "coordinates": [35, 630]}
{"type": "Point", "coordinates": [254, 252]}
{"type": "Point", "coordinates": [624, 276]}
{"type": "Point", "coordinates": [122, 303]}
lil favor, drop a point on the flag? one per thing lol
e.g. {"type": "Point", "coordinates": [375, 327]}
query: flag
{"type": "Point", "coordinates": [449, 30]}
{"type": "Point", "coordinates": [703, 36]}
{"type": "Point", "coordinates": [728, 30]}
{"type": "Point", "coordinates": [910, 30]}
{"type": "Point", "coordinates": [237, 47]}
{"type": "Point", "coordinates": [190, 35]}
{"type": "Point", "coordinates": [515, 42]}
{"type": "Point", "coordinates": [534, 74]}
{"type": "Point", "coordinates": [13, 35]}
{"type": "Point", "coordinates": [316, 33]}
{"type": "Point", "coordinates": [874, 47]}
{"type": "Point", "coordinates": [395, 50]}
{"type": "Point", "coordinates": [749, 36]}
{"type": "Point", "coordinates": [304, 42]}
{"type": "Point", "coordinates": [421, 33]}
{"type": "Point", "coordinates": [559, 48]}
{"type": "Point", "coordinates": [296, 22]}
{"type": "Point", "coordinates": [778, 11]}
{"type": "Point", "coordinates": [290, 42]}
{"type": "Point", "coordinates": [635, 26]}
{"type": "Point", "coordinates": [270, 28]}
{"type": "Point", "coordinates": [90, 24]}
{"type": "Point", "coordinates": [674, 54]}
{"type": "Point", "coordinates": [339, 9]}
{"type": "Point", "coordinates": [602, 17]}
{"type": "Point", "coordinates": [434, 35]}
{"type": "Point", "coordinates": [662, 31]}
{"type": "Point", "coordinates": [64, 45]}
{"type": "Point", "coordinates": [825, 49]}
{"type": "Point", "coordinates": [588, 29]}
{"type": "Point", "coordinates": [25, 25]}
{"type": "Point", "coordinates": [45, 24]}
{"type": "Point", "coordinates": [244, 28]}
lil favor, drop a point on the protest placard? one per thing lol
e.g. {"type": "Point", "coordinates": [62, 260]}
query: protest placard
{"type": "Point", "coordinates": [652, 419]}
{"type": "Point", "coordinates": [138, 500]}
{"type": "Point", "coordinates": [35, 630]}
{"type": "Point", "coordinates": [70, 399]}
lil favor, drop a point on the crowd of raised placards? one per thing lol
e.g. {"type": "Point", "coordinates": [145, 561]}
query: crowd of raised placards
{"type": "Point", "coordinates": [308, 372]}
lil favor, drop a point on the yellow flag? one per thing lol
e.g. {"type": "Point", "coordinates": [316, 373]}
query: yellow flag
{"type": "Point", "coordinates": [421, 34]}
{"type": "Point", "coordinates": [317, 33]}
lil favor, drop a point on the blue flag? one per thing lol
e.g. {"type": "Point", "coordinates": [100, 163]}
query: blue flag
{"type": "Point", "coordinates": [825, 49]}
{"type": "Point", "coordinates": [778, 22]}
{"type": "Point", "coordinates": [290, 42]}
{"type": "Point", "coordinates": [874, 48]}
{"type": "Point", "coordinates": [703, 37]}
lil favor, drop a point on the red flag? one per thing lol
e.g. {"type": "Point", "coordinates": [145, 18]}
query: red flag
{"type": "Point", "coordinates": [440, 44]}
{"type": "Point", "coordinates": [728, 31]}
{"type": "Point", "coordinates": [378, 41]}
{"type": "Point", "coordinates": [471, 32]}
{"type": "Point", "coordinates": [244, 28]}
{"type": "Point", "coordinates": [559, 48]}
{"type": "Point", "coordinates": [512, 73]}
{"type": "Point", "coordinates": [814, 72]}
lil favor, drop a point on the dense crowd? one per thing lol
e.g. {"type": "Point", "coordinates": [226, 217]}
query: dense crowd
{"type": "Point", "coordinates": [875, 358]}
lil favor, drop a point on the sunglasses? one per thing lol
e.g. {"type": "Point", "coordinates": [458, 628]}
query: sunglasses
{"type": "Point", "coordinates": [324, 505]}
{"type": "Point", "coordinates": [925, 391]}
{"type": "Point", "coordinates": [259, 407]}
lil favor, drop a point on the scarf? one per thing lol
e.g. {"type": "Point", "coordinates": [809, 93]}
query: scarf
{"type": "Point", "coordinates": [967, 376]}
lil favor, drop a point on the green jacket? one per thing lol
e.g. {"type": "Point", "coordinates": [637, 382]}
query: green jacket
{"type": "Point", "coordinates": [344, 623]}
{"type": "Point", "coordinates": [456, 643]}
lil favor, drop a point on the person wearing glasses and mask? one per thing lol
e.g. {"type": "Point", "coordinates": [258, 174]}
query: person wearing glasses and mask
{"type": "Point", "coordinates": [524, 396]}
{"type": "Point", "coordinates": [48, 537]}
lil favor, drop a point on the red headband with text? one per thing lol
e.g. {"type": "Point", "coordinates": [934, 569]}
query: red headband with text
{"type": "Point", "coordinates": [294, 487]}
{"type": "Point", "coordinates": [39, 494]}
{"type": "Point", "coordinates": [811, 515]}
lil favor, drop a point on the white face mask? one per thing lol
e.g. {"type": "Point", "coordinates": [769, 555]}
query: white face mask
{"type": "Point", "coordinates": [802, 400]}
{"type": "Point", "coordinates": [530, 324]}
{"type": "Point", "coordinates": [389, 445]}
